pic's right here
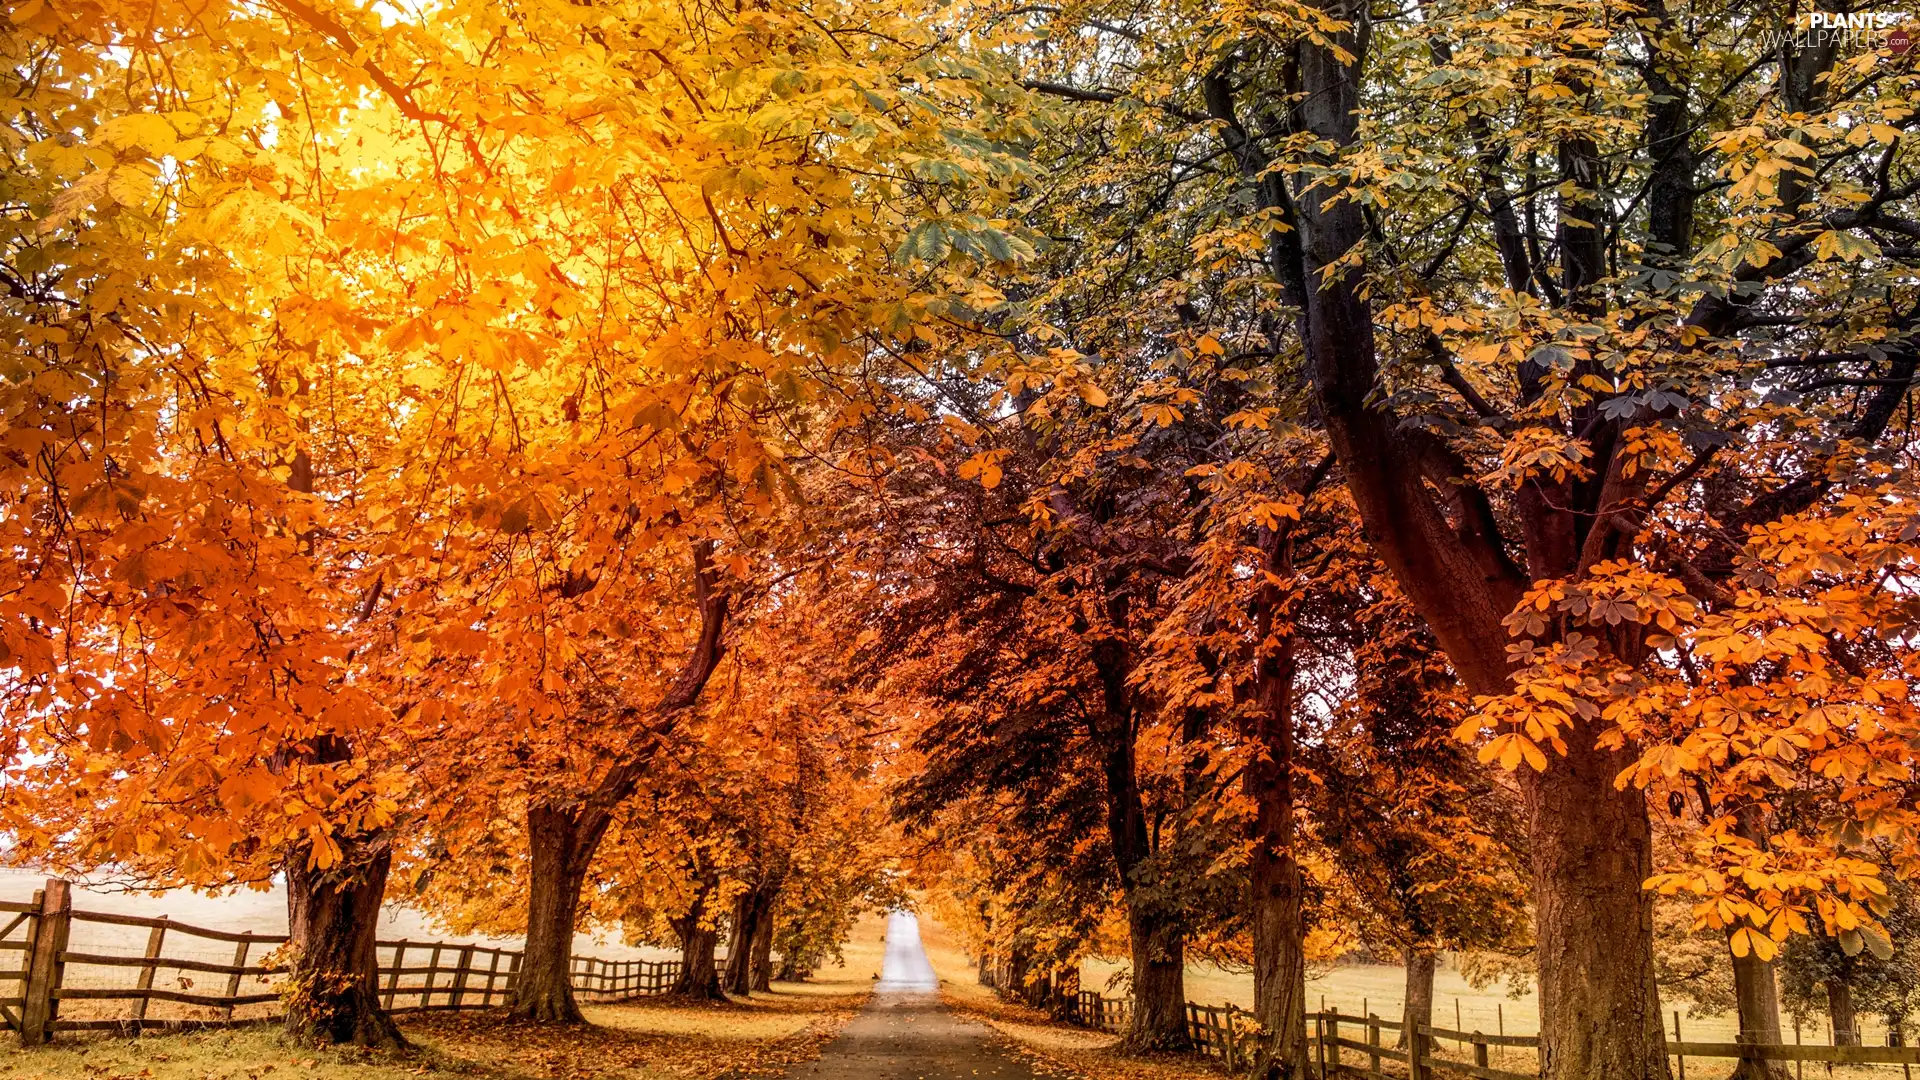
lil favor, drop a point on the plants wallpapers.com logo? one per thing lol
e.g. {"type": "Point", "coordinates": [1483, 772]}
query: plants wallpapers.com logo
{"type": "Point", "coordinates": [1873, 30]}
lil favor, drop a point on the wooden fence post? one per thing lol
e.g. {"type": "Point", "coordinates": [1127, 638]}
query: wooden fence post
{"type": "Point", "coordinates": [1320, 1040]}
{"type": "Point", "coordinates": [1799, 1067]}
{"type": "Point", "coordinates": [1676, 1038]}
{"type": "Point", "coordinates": [393, 978]}
{"type": "Point", "coordinates": [460, 980]}
{"type": "Point", "coordinates": [156, 938]}
{"type": "Point", "coordinates": [1333, 1042]}
{"type": "Point", "coordinates": [1234, 1060]}
{"type": "Point", "coordinates": [48, 941]}
{"type": "Point", "coordinates": [233, 981]}
{"type": "Point", "coordinates": [1418, 1042]}
{"type": "Point", "coordinates": [1479, 1050]}
{"type": "Point", "coordinates": [1373, 1040]}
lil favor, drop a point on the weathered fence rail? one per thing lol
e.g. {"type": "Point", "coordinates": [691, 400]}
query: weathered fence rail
{"type": "Point", "coordinates": [412, 976]}
{"type": "Point", "coordinates": [1345, 1044]}
{"type": "Point", "coordinates": [1426, 1053]}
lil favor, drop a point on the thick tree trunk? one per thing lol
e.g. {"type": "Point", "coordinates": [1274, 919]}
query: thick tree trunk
{"type": "Point", "coordinates": [1274, 880]}
{"type": "Point", "coordinates": [1840, 1011]}
{"type": "Point", "coordinates": [543, 990]}
{"type": "Point", "coordinates": [1419, 997]}
{"type": "Point", "coordinates": [1758, 1004]}
{"type": "Point", "coordinates": [699, 940]}
{"type": "Point", "coordinates": [1159, 982]}
{"type": "Point", "coordinates": [332, 917]}
{"type": "Point", "coordinates": [738, 978]}
{"type": "Point", "coordinates": [763, 946]}
{"type": "Point", "coordinates": [699, 972]}
{"type": "Point", "coordinates": [1592, 849]}
{"type": "Point", "coordinates": [750, 949]}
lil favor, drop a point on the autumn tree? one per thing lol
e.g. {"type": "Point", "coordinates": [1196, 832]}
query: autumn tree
{"type": "Point", "coordinates": [480, 342]}
{"type": "Point", "coordinates": [1552, 273]}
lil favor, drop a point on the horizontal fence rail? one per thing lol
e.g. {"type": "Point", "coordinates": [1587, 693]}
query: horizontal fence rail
{"type": "Point", "coordinates": [1428, 1052]}
{"type": "Point", "coordinates": [411, 976]}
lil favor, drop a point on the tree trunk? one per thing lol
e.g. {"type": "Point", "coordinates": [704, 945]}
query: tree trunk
{"type": "Point", "coordinates": [1039, 991]}
{"type": "Point", "coordinates": [750, 949]}
{"type": "Point", "coordinates": [1592, 849]}
{"type": "Point", "coordinates": [1756, 997]}
{"type": "Point", "coordinates": [1156, 937]}
{"type": "Point", "coordinates": [1419, 998]}
{"type": "Point", "coordinates": [763, 946]}
{"type": "Point", "coordinates": [739, 974]}
{"type": "Point", "coordinates": [543, 990]}
{"type": "Point", "coordinates": [563, 838]}
{"type": "Point", "coordinates": [1019, 965]}
{"type": "Point", "coordinates": [699, 972]}
{"type": "Point", "coordinates": [1840, 1011]}
{"type": "Point", "coordinates": [1758, 1002]}
{"type": "Point", "coordinates": [1274, 880]}
{"type": "Point", "coordinates": [699, 939]}
{"type": "Point", "coordinates": [332, 918]}
{"type": "Point", "coordinates": [1159, 982]}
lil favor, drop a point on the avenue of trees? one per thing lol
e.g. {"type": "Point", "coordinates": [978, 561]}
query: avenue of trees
{"type": "Point", "coordinates": [1184, 481]}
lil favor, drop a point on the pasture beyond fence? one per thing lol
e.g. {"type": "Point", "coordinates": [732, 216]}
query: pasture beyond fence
{"type": "Point", "coordinates": [1343, 1044]}
{"type": "Point", "coordinates": [414, 976]}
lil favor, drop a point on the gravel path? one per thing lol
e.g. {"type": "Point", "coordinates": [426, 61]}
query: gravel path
{"type": "Point", "coordinates": [905, 1033]}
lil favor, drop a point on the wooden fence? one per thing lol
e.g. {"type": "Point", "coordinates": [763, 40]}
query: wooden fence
{"type": "Point", "coordinates": [413, 976]}
{"type": "Point", "coordinates": [1105, 1013]}
{"type": "Point", "coordinates": [1424, 1057]}
{"type": "Point", "coordinates": [1343, 1044]}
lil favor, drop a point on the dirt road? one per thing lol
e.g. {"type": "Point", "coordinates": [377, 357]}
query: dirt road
{"type": "Point", "coordinates": [905, 1033]}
